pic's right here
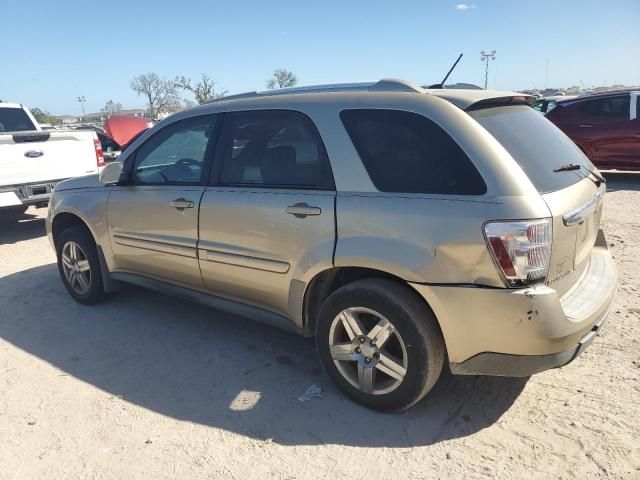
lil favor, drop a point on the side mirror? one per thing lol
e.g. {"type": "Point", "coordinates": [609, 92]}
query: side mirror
{"type": "Point", "coordinates": [111, 173]}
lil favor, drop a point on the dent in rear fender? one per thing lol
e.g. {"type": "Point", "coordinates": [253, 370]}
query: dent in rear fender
{"type": "Point", "coordinates": [315, 260]}
{"type": "Point", "coordinates": [421, 238]}
{"type": "Point", "coordinates": [90, 205]}
{"type": "Point", "coordinates": [526, 321]}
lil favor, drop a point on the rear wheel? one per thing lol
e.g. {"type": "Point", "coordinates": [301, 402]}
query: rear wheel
{"type": "Point", "coordinates": [380, 343]}
{"type": "Point", "coordinates": [79, 266]}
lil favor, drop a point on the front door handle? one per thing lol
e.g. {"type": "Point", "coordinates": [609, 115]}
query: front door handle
{"type": "Point", "coordinates": [301, 210]}
{"type": "Point", "coordinates": [181, 204]}
{"type": "Point", "coordinates": [584, 125]}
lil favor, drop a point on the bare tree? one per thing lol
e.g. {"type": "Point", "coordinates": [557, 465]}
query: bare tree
{"type": "Point", "coordinates": [161, 94]}
{"type": "Point", "coordinates": [204, 90]}
{"type": "Point", "coordinates": [282, 78]}
{"type": "Point", "coordinates": [112, 108]}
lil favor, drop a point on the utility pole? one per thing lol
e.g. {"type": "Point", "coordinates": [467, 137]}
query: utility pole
{"type": "Point", "coordinates": [484, 57]}
{"type": "Point", "coordinates": [82, 99]}
{"type": "Point", "coordinates": [546, 73]}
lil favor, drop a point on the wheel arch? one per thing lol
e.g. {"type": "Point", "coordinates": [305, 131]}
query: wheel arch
{"type": "Point", "coordinates": [328, 281]}
{"type": "Point", "coordinates": [65, 220]}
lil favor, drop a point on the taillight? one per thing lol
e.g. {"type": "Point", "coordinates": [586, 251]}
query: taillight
{"type": "Point", "coordinates": [99, 153]}
{"type": "Point", "coordinates": [521, 249]}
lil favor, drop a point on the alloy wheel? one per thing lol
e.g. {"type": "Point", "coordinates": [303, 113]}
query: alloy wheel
{"type": "Point", "coordinates": [367, 350]}
{"type": "Point", "coordinates": [76, 267]}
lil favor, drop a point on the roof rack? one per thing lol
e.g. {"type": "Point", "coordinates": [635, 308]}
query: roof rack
{"type": "Point", "coordinates": [384, 85]}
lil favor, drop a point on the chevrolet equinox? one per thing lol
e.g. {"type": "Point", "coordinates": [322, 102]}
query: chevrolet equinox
{"type": "Point", "coordinates": [409, 230]}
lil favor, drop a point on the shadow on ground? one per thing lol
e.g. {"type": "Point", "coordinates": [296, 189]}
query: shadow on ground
{"type": "Point", "coordinates": [197, 364]}
{"type": "Point", "coordinates": [622, 181]}
{"type": "Point", "coordinates": [17, 228]}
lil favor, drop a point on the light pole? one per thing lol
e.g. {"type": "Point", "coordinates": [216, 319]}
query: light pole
{"type": "Point", "coordinates": [484, 57]}
{"type": "Point", "coordinates": [82, 99]}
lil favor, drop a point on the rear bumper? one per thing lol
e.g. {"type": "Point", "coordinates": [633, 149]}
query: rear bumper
{"type": "Point", "coordinates": [28, 194]}
{"type": "Point", "coordinates": [506, 365]}
{"type": "Point", "coordinates": [518, 332]}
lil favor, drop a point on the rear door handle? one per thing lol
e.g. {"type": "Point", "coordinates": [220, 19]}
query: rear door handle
{"type": "Point", "coordinates": [302, 210]}
{"type": "Point", "coordinates": [584, 125]}
{"type": "Point", "coordinates": [181, 204]}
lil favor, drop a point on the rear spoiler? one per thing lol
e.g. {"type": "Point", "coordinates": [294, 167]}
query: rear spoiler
{"type": "Point", "coordinates": [501, 102]}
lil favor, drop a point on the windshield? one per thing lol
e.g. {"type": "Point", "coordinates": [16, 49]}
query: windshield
{"type": "Point", "coordinates": [15, 120]}
{"type": "Point", "coordinates": [536, 144]}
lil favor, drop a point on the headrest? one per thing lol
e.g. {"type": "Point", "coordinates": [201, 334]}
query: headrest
{"type": "Point", "coordinates": [279, 164]}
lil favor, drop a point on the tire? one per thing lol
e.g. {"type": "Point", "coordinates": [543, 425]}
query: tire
{"type": "Point", "coordinates": [94, 291]}
{"type": "Point", "coordinates": [415, 346]}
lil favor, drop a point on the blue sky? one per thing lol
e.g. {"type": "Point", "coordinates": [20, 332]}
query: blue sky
{"type": "Point", "coordinates": [54, 51]}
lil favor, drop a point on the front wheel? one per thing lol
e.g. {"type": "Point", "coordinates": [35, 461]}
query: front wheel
{"type": "Point", "coordinates": [380, 343]}
{"type": "Point", "coordinates": [79, 266]}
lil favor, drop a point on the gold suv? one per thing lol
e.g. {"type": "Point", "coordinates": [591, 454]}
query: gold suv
{"type": "Point", "coordinates": [410, 230]}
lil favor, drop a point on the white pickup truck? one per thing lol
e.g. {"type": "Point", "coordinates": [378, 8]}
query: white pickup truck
{"type": "Point", "coordinates": [33, 160]}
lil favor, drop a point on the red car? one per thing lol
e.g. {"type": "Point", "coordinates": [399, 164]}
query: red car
{"type": "Point", "coordinates": [605, 126]}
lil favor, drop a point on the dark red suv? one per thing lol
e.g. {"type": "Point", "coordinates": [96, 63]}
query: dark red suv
{"type": "Point", "coordinates": [605, 126]}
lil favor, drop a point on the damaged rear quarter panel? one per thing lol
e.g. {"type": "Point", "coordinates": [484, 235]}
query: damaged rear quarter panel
{"type": "Point", "coordinates": [425, 238]}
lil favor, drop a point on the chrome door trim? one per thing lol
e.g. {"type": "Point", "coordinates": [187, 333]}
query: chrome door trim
{"type": "Point", "coordinates": [155, 245]}
{"type": "Point", "coordinates": [255, 263]}
{"type": "Point", "coordinates": [580, 214]}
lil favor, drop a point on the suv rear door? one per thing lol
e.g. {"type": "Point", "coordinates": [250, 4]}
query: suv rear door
{"type": "Point", "coordinates": [153, 219]}
{"type": "Point", "coordinates": [607, 131]}
{"type": "Point", "coordinates": [574, 197]}
{"type": "Point", "coordinates": [268, 215]}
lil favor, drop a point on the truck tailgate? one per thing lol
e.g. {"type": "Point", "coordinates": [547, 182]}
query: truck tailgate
{"type": "Point", "coordinates": [33, 157]}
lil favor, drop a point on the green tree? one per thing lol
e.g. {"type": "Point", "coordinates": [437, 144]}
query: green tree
{"type": "Point", "coordinates": [112, 108]}
{"type": "Point", "coordinates": [161, 94]}
{"type": "Point", "coordinates": [282, 78]}
{"type": "Point", "coordinates": [203, 90]}
{"type": "Point", "coordinates": [42, 116]}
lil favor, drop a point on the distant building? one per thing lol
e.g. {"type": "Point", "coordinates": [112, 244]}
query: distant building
{"type": "Point", "coordinates": [97, 117]}
{"type": "Point", "coordinates": [136, 112]}
{"type": "Point", "coordinates": [67, 119]}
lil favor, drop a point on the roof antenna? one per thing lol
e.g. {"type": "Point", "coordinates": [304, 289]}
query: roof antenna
{"type": "Point", "coordinates": [441, 84]}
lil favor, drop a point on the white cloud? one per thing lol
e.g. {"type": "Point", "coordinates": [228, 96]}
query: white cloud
{"type": "Point", "coordinates": [465, 6]}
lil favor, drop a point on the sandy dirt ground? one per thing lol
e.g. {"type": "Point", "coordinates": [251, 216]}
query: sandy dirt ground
{"type": "Point", "coordinates": [148, 387]}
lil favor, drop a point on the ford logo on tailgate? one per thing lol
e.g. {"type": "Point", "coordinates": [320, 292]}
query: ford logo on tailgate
{"type": "Point", "coordinates": [34, 153]}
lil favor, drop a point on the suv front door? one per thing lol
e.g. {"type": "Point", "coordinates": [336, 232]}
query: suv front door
{"type": "Point", "coordinates": [269, 212]}
{"type": "Point", "coordinates": [153, 219]}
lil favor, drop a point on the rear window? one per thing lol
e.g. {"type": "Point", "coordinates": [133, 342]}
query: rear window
{"type": "Point", "coordinates": [536, 144]}
{"type": "Point", "coordinates": [404, 152]}
{"type": "Point", "coordinates": [15, 120]}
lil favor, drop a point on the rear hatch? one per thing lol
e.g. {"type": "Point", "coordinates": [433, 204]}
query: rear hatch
{"type": "Point", "coordinates": [573, 194]}
{"type": "Point", "coordinates": [42, 156]}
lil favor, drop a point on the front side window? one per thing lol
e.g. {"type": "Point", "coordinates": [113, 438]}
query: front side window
{"type": "Point", "coordinates": [404, 152]}
{"type": "Point", "coordinates": [276, 148]}
{"type": "Point", "coordinates": [611, 107]}
{"type": "Point", "coordinates": [176, 154]}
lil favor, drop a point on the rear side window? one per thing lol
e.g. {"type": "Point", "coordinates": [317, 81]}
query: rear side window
{"type": "Point", "coordinates": [535, 143]}
{"type": "Point", "coordinates": [611, 107]}
{"type": "Point", "coordinates": [404, 152]}
{"type": "Point", "coordinates": [274, 148]}
{"type": "Point", "coordinates": [15, 120]}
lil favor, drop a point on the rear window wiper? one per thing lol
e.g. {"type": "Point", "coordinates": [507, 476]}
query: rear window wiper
{"type": "Point", "coordinates": [568, 167]}
{"type": "Point", "coordinates": [573, 166]}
